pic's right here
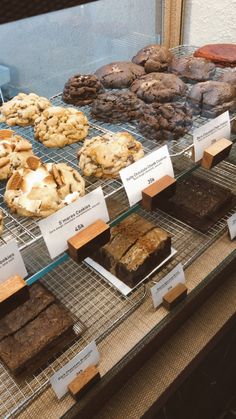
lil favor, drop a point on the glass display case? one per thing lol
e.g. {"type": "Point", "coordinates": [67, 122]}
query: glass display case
{"type": "Point", "coordinates": [42, 52]}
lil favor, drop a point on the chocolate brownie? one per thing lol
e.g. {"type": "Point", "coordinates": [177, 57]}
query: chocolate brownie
{"type": "Point", "coordinates": [39, 299]}
{"type": "Point", "coordinates": [229, 76]}
{"type": "Point", "coordinates": [119, 75]}
{"type": "Point", "coordinates": [211, 98]}
{"type": "Point", "coordinates": [135, 247]}
{"type": "Point", "coordinates": [33, 343]}
{"type": "Point", "coordinates": [221, 54]}
{"type": "Point", "coordinates": [198, 202]}
{"type": "Point", "coordinates": [159, 87]}
{"type": "Point", "coordinates": [81, 89]}
{"type": "Point", "coordinates": [191, 69]}
{"type": "Point", "coordinates": [116, 107]}
{"type": "Point", "coordinates": [153, 58]}
{"type": "Point", "coordinates": [166, 121]}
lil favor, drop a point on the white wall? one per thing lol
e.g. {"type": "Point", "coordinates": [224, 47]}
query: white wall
{"type": "Point", "coordinates": [210, 21]}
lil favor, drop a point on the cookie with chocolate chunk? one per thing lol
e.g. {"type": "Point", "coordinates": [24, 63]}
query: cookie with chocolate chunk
{"type": "Point", "coordinates": [153, 58]}
{"type": "Point", "coordinates": [116, 107]}
{"type": "Point", "coordinates": [81, 89]}
{"type": "Point", "coordinates": [119, 74]}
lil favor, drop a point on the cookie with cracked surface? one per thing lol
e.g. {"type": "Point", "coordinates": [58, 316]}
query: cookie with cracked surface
{"type": "Point", "coordinates": [41, 189]}
{"type": "Point", "coordinates": [58, 127]}
{"type": "Point", "coordinates": [23, 109]}
{"type": "Point", "coordinates": [116, 107]}
{"type": "Point", "coordinates": [158, 87]}
{"type": "Point", "coordinates": [153, 58]}
{"type": "Point", "coordinates": [192, 69]}
{"type": "Point", "coordinates": [82, 89]}
{"type": "Point", "coordinates": [229, 76]}
{"type": "Point", "coordinates": [104, 156]}
{"type": "Point", "coordinates": [119, 74]}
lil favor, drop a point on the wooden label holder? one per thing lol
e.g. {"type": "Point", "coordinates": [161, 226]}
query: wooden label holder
{"type": "Point", "coordinates": [87, 241]}
{"type": "Point", "coordinates": [83, 382]}
{"type": "Point", "coordinates": [158, 191]}
{"type": "Point", "coordinates": [215, 153]}
{"type": "Point", "coordinates": [174, 296]}
{"type": "Point", "coordinates": [13, 292]}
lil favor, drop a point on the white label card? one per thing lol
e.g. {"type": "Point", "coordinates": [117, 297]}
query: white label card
{"type": "Point", "coordinates": [209, 133]}
{"type": "Point", "coordinates": [62, 378]}
{"type": "Point", "coordinates": [65, 223]}
{"type": "Point", "coordinates": [232, 226]}
{"type": "Point", "coordinates": [173, 278]}
{"type": "Point", "coordinates": [11, 262]}
{"type": "Point", "coordinates": [144, 172]}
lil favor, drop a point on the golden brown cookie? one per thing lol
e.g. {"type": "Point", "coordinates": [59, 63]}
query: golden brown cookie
{"type": "Point", "coordinates": [105, 156]}
{"type": "Point", "coordinates": [58, 127]}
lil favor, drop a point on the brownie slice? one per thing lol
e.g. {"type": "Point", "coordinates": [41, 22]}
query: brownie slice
{"type": "Point", "coordinates": [40, 298]}
{"type": "Point", "coordinates": [198, 202]}
{"type": "Point", "coordinates": [35, 343]}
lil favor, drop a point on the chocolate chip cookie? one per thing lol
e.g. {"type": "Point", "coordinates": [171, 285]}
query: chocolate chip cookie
{"type": "Point", "coordinates": [119, 75]}
{"type": "Point", "coordinates": [116, 107]}
{"type": "Point", "coordinates": [81, 89]}
{"type": "Point", "coordinates": [153, 58]}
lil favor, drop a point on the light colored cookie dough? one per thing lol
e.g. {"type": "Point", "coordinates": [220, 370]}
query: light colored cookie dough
{"type": "Point", "coordinates": [1, 222]}
{"type": "Point", "coordinates": [58, 127]}
{"type": "Point", "coordinates": [105, 156]}
{"type": "Point", "coordinates": [41, 189]}
{"type": "Point", "coordinates": [23, 109]}
{"type": "Point", "coordinates": [14, 151]}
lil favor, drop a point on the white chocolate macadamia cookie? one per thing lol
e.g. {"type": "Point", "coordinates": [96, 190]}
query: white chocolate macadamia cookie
{"type": "Point", "coordinates": [23, 109]}
{"type": "Point", "coordinates": [105, 156]}
{"type": "Point", "coordinates": [58, 127]}
{"type": "Point", "coordinates": [41, 189]}
{"type": "Point", "coordinates": [14, 151]}
{"type": "Point", "coordinates": [1, 222]}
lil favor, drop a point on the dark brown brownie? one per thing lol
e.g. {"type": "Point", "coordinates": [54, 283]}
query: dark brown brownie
{"type": "Point", "coordinates": [136, 246]}
{"type": "Point", "coordinates": [159, 87]}
{"type": "Point", "coordinates": [191, 69]}
{"type": "Point", "coordinates": [119, 74]}
{"type": "Point", "coordinates": [198, 202]}
{"type": "Point", "coordinates": [39, 299]}
{"type": "Point", "coordinates": [153, 58]}
{"type": "Point", "coordinates": [211, 98]}
{"type": "Point", "coordinates": [81, 89]}
{"type": "Point", "coordinates": [165, 121]}
{"type": "Point", "coordinates": [32, 344]}
{"type": "Point", "coordinates": [116, 107]}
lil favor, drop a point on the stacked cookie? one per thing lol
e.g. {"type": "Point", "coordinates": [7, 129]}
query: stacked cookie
{"type": "Point", "coordinates": [81, 89]}
{"type": "Point", "coordinates": [116, 107]}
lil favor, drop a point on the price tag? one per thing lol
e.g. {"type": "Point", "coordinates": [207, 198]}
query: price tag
{"type": "Point", "coordinates": [62, 378]}
{"type": "Point", "coordinates": [232, 226]}
{"type": "Point", "coordinates": [11, 262]}
{"type": "Point", "coordinates": [65, 223]}
{"type": "Point", "coordinates": [144, 172]}
{"type": "Point", "coordinates": [173, 278]}
{"type": "Point", "coordinates": [209, 133]}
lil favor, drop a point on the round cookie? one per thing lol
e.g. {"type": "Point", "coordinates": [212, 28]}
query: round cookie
{"type": "Point", "coordinates": [119, 75]}
{"type": "Point", "coordinates": [81, 89]}
{"type": "Point", "coordinates": [58, 127]}
{"type": "Point", "coordinates": [105, 156]}
{"type": "Point", "coordinates": [23, 109]}
{"type": "Point", "coordinates": [191, 69]}
{"type": "Point", "coordinates": [153, 58]}
{"type": "Point", "coordinates": [1, 222]}
{"type": "Point", "coordinates": [41, 189]}
{"type": "Point", "coordinates": [14, 151]}
{"type": "Point", "coordinates": [116, 107]}
{"type": "Point", "coordinates": [158, 87]}
{"type": "Point", "coordinates": [164, 122]}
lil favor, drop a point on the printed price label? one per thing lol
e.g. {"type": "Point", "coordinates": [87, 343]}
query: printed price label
{"type": "Point", "coordinates": [62, 378]}
{"type": "Point", "coordinates": [65, 223]}
{"type": "Point", "coordinates": [209, 133]}
{"type": "Point", "coordinates": [144, 172]}
{"type": "Point", "coordinates": [166, 284]}
{"type": "Point", "coordinates": [232, 226]}
{"type": "Point", "coordinates": [11, 262]}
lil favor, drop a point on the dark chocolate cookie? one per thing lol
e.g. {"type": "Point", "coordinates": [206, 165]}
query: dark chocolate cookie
{"type": "Point", "coordinates": [119, 75]}
{"type": "Point", "coordinates": [163, 122]}
{"type": "Point", "coordinates": [229, 76]}
{"type": "Point", "coordinates": [82, 89]}
{"type": "Point", "coordinates": [153, 58]}
{"type": "Point", "coordinates": [192, 68]}
{"type": "Point", "coordinates": [116, 107]}
{"type": "Point", "coordinates": [158, 87]}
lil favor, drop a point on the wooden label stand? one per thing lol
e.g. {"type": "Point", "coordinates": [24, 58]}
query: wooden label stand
{"type": "Point", "coordinates": [160, 190]}
{"type": "Point", "coordinates": [216, 153]}
{"type": "Point", "coordinates": [87, 241]}
{"type": "Point", "coordinates": [174, 296]}
{"type": "Point", "coordinates": [83, 382]}
{"type": "Point", "coordinates": [13, 292]}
